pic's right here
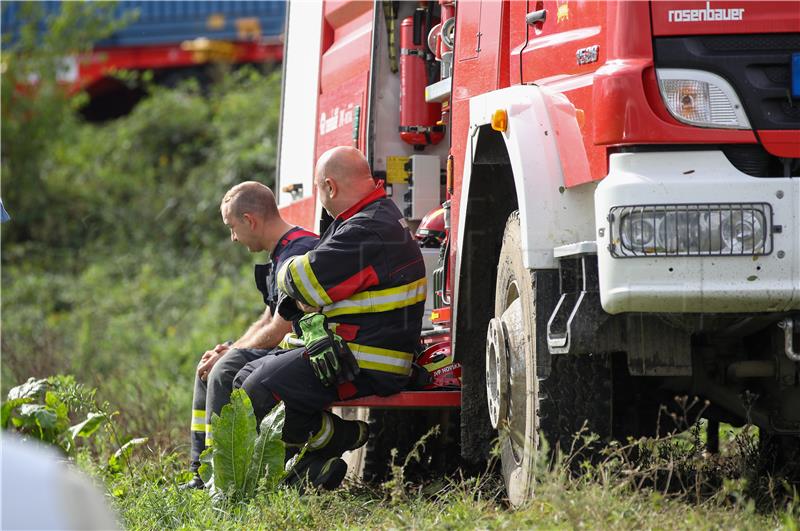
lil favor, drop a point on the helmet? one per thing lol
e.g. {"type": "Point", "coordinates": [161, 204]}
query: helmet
{"type": "Point", "coordinates": [431, 231]}
{"type": "Point", "coordinates": [437, 360]}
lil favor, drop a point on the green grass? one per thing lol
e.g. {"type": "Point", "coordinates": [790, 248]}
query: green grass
{"type": "Point", "coordinates": [613, 494]}
{"type": "Point", "coordinates": [459, 504]}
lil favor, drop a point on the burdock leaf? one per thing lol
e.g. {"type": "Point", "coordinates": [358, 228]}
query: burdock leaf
{"type": "Point", "coordinates": [43, 416]}
{"type": "Point", "coordinates": [88, 426]}
{"type": "Point", "coordinates": [118, 461]}
{"type": "Point", "coordinates": [33, 388]}
{"type": "Point", "coordinates": [269, 452]}
{"type": "Point", "coordinates": [234, 436]}
{"type": "Point", "coordinates": [9, 406]}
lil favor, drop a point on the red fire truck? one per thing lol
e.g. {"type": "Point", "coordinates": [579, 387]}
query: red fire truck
{"type": "Point", "coordinates": [621, 189]}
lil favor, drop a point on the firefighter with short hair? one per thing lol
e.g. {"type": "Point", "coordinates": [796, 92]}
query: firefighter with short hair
{"type": "Point", "coordinates": [362, 290]}
{"type": "Point", "coordinates": [251, 214]}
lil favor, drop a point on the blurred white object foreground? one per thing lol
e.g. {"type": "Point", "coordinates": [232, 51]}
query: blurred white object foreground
{"type": "Point", "coordinates": [40, 491]}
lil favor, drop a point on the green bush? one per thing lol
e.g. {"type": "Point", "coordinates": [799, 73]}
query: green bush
{"type": "Point", "coordinates": [116, 265]}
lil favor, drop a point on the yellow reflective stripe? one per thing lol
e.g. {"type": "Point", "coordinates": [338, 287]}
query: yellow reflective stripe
{"type": "Point", "coordinates": [198, 420]}
{"type": "Point", "coordinates": [309, 289]}
{"type": "Point", "coordinates": [382, 359]}
{"type": "Point", "coordinates": [324, 435]}
{"type": "Point", "coordinates": [281, 277]}
{"type": "Point", "coordinates": [323, 295]}
{"type": "Point", "coordinates": [383, 300]}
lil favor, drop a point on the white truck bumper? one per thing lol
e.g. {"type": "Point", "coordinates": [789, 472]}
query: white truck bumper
{"type": "Point", "coordinates": [762, 274]}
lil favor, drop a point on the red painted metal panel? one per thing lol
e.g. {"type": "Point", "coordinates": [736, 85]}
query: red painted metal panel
{"type": "Point", "coordinates": [344, 74]}
{"type": "Point", "coordinates": [349, 53]}
{"type": "Point", "coordinates": [468, 23]}
{"type": "Point", "coordinates": [337, 111]}
{"type": "Point", "coordinates": [518, 38]}
{"type": "Point", "coordinates": [300, 212]}
{"type": "Point", "coordinates": [478, 40]}
{"type": "Point", "coordinates": [407, 400]}
{"type": "Point", "coordinates": [724, 17]}
{"type": "Point", "coordinates": [781, 143]}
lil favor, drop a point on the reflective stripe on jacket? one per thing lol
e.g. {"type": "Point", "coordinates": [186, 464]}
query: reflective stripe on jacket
{"type": "Point", "coordinates": [368, 276]}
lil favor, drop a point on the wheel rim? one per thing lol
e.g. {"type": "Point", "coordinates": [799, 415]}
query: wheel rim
{"type": "Point", "coordinates": [513, 321]}
{"type": "Point", "coordinates": [497, 372]}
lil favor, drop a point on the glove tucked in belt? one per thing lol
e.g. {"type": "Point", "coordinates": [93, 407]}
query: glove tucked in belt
{"type": "Point", "coordinates": [329, 356]}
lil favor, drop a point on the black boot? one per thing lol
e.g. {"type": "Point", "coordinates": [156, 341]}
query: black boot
{"type": "Point", "coordinates": [195, 483]}
{"type": "Point", "coordinates": [317, 471]}
{"type": "Point", "coordinates": [347, 435]}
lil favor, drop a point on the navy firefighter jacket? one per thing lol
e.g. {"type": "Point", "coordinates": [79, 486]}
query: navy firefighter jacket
{"type": "Point", "coordinates": [296, 241]}
{"type": "Point", "coordinates": [368, 276]}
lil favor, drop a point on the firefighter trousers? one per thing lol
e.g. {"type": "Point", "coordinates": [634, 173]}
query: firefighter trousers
{"type": "Point", "coordinates": [211, 395]}
{"type": "Point", "coordinates": [288, 377]}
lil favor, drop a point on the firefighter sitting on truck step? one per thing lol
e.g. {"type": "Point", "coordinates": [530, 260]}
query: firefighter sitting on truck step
{"type": "Point", "coordinates": [365, 283]}
{"type": "Point", "coordinates": [250, 212]}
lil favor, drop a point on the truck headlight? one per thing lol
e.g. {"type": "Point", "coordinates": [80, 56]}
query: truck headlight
{"type": "Point", "coordinates": [697, 97]}
{"type": "Point", "coordinates": [734, 229]}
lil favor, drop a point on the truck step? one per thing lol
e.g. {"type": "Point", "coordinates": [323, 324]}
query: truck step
{"type": "Point", "coordinates": [407, 400]}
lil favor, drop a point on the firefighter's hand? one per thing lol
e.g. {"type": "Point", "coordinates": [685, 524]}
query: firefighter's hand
{"type": "Point", "coordinates": [209, 359]}
{"type": "Point", "coordinates": [325, 365]}
{"type": "Point", "coordinates": [308, 309]}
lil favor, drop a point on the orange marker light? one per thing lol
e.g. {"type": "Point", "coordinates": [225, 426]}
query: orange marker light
{"type": "Point", "coordinates": [581, 117]}
{"type": "Point", "coordinates": [500, 120]}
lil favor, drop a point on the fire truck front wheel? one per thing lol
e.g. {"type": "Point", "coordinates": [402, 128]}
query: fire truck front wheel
{"type": "Point", "coordinates": [513, 388]}
{"type": "Point", "coordinates": [575, 396]}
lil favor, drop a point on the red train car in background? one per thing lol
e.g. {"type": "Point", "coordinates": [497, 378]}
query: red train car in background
{"type": "Point", "coordinates": [173, 39]}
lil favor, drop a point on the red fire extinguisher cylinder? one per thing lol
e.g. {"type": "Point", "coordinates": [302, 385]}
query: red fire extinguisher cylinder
{"type": "Point", "coordinates": [418, 119]}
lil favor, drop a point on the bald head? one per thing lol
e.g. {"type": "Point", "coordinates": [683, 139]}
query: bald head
{"type": "Point", "coordinates": [342, 177]}
{"type": "Point", "coordinates": [251, 197]}
{"type": "Point", "coordinates": [344, 165]}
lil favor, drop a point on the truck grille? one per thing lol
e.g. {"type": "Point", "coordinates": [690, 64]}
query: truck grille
{"type": "Point", "coordinates": [757, 66]}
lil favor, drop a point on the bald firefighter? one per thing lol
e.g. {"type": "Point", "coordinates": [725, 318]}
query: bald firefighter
{"type": "Point", "coordinates": [362, 293]}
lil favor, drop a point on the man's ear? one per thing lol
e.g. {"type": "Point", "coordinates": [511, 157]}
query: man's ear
{"type": "Point", "coordinates": [250, 219]}
{"type": "Point", "coordinates": [333, 189]}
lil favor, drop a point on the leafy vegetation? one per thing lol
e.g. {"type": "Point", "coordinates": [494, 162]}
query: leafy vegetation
{"type": "Point", "coordinates": [64, 413]}
{"type": "Point", "coordinates": [243, 460]}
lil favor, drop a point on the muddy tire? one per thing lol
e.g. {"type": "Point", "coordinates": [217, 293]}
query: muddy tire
{"type": "Point", "coordinates": [576, 398]}
{"type": "Point", "coordinates": [577, 390]}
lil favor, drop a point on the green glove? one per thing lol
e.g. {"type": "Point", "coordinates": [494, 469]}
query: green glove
{"type": "Point", "coordinates": [325, 350]}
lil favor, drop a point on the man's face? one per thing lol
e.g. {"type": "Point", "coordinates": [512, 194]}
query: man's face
{"type": "Point", "coordinates": [241, 228]}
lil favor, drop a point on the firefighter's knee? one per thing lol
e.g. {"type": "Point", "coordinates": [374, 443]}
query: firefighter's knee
{"type": "Point", "coordinates": [238, 380]}
{"type": "Point", "coordinates": [224, 371]}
